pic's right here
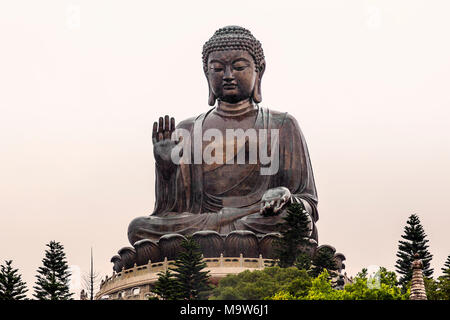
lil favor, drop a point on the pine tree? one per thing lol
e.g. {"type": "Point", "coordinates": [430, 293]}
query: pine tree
{"type": "Point", "coordinates": [191, 282]}
{"type": "Point", "coordinates": [294, 232]}
{"type": "Point", "coordinates": [323, 259]}
{"type": "Point", "coordinates": [11, 285]}
{"type": "Point", "coordinates": [303, 262]}
{"type": "Point", "coordinates": [53, 277]}
{"type": "Point", "coordinates": [446, 268]}
{"type": "Point", "coordinates": [166, 286]}
{"type": "Point", "coordinates": [414, 242]}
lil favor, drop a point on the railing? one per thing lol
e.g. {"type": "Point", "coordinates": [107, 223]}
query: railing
{"type": "Point", "coordinates": [148, 272]}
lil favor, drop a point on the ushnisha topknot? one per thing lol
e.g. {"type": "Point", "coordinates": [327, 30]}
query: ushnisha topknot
{"type": "Point", "coordinates": [234, 38]}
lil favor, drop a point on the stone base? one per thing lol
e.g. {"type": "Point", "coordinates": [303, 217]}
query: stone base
{"type": "Point", "coordinates": [211, 243]}
{"type": "Point", "coordinates": [136, 268]}
{"type": "Point", "coordinates": [135, 283]}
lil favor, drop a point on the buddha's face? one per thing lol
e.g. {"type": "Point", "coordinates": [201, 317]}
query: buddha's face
{"type": "Point", "coordinates": [231, 75]}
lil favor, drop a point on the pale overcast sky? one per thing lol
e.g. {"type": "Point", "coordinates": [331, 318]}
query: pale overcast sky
{"type": "Point", "coordinates": [81, 83]}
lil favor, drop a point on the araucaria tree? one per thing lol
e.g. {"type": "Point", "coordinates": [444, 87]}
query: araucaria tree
{"type": "Point", "coordinates": [446, 268]}
{"type": "Point", "coordinates": [166, 286]}
{"type": "Point", "coordinates": [294, 232]}
{"type": "Point", "coordinates": [53, 277]}
{"type": "Point", "coordinates": [323, 259]}
{"type": "Point", "coordinates": [414, 241]}
{"type": "Point", "coordinates": [11, 285]}
{"type": "Point", "coordinates": [191, 282]}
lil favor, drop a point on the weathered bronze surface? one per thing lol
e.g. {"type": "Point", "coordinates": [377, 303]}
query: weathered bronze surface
{"type": "Point", "coordinates": [230, 196]}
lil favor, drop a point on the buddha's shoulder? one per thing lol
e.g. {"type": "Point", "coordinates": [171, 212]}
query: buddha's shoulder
{"type": "Point", "coordinates": [283, 118]}
{"type": "Point", "coordinates": [187, 123]}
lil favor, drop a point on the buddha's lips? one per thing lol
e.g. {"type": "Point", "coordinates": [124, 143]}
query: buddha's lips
{"type": "Point", "coordinates": [229, 86]}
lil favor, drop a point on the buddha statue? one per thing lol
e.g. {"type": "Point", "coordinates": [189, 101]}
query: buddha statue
{"type": "Point", "coordinates": [224, 201]}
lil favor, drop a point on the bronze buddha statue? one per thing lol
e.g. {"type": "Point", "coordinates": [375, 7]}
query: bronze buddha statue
{"type": "Point", "coordinates": [227, 197]}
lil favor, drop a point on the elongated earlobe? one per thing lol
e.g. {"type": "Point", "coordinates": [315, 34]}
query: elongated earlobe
{"type": "Point", "coordinates": [211, 98]}
{"type": "Point", "coordinates": [257, 96]}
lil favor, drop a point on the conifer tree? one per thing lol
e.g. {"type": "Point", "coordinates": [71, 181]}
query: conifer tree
{"type": "Point", "coordinates": [11, 285]}
{"type": "Point", "coordinates": [303, 262]}
{"type": "Point", "coordinates": [446, 268]}
{"type": "Point", "coordinates": [294, 232]}
{"type": "Point", "coordinates": [323, 259]}
{"type": "Point", "coordinates": [166, 286]}
{"type": "Point", "coordinates": [53, 277]}
{"type": "Point", "coordinates": [191, 282]}
{"type": "Point", "coordinates": [439, 289]}
{"type": "Point", "coordinates": [414, 242]}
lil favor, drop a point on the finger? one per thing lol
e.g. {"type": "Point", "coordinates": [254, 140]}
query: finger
{"type": "Point", "coordinates": [154, 132]}
{"type": "Point", "coordinates": [172, 124]}
{"type": "Point", "coordinates": [161, 125]}
{"type": "Point", "coordinates": [161, 129]}
{"type": "Point", "coordinates": [166, 127]}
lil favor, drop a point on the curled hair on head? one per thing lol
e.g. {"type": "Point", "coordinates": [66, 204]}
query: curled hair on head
{"type": "Point", "coordinates": [234, 38]}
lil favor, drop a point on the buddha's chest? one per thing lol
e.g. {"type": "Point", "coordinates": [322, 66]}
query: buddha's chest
{"type": "Point", "coordinates": [227, 155]}
{"type": "Point", "coordinates": [228, 141]}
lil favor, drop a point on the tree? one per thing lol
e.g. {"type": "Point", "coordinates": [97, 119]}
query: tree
{"type": "Point", "coordinates": [294, 232]}
{"type": "Point", "coordinates": [53, 277]}
{"type": "Point", "coordinates": [166, 286]}
{"type": "Point", "coordinates": [381, 286]}
{"type": "Point", "coordinates": [11, 285]}
{"type": "Point", "coordinates": [321, 289]}
{"type": "Point", "coordinates": [439, 289]}
{"type": "Point", "coordinates": [191, 282]}
{"type": "Point", "coordinates": [261, 284]}
{"type": "Point", "coordinates": [303, 261]}
{"type": "Point", "coordinates": [446, 268]}
{"type": "Point", "coordinates": [431, 289]}
{"type": "Point", "coordinates": [414, 242]}
{"type": "Point", "coordinates": [323, 259]}
{"type": "Point", "coordinates": [443, 287]}
{"type": "Point", "coordinates": [91, 280]}
{"type": "Point", "coordinates": [362, 288]}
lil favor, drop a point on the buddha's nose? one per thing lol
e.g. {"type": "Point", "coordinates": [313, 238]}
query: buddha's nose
{"type": "Point", "coordinates": [228, 75]}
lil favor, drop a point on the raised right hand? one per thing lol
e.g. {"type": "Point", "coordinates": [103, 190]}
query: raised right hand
{"type": "Point", "coordinates": [162, 143]}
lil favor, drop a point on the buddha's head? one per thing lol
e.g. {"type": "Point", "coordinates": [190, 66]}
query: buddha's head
{"type": "Point", "coordinates": [233, 62]}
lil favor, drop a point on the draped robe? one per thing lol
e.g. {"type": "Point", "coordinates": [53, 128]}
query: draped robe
{"type": "Point", "coordinates": [193, 197]}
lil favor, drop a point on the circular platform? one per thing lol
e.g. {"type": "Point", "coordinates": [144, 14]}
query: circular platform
{"type": "Point", "coordinates": [135, 283]}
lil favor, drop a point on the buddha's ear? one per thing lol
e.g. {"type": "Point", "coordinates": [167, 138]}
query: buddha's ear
{"type": "Point", "coordinates": [211, 97]}
{"type": "Point", "coordinates": [257, 97]}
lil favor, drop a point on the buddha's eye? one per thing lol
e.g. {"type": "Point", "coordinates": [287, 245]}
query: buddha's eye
{"type": "Point", "coordinates": [240, 65]}
{"type": "Point", "coordinates": [216, 68]}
